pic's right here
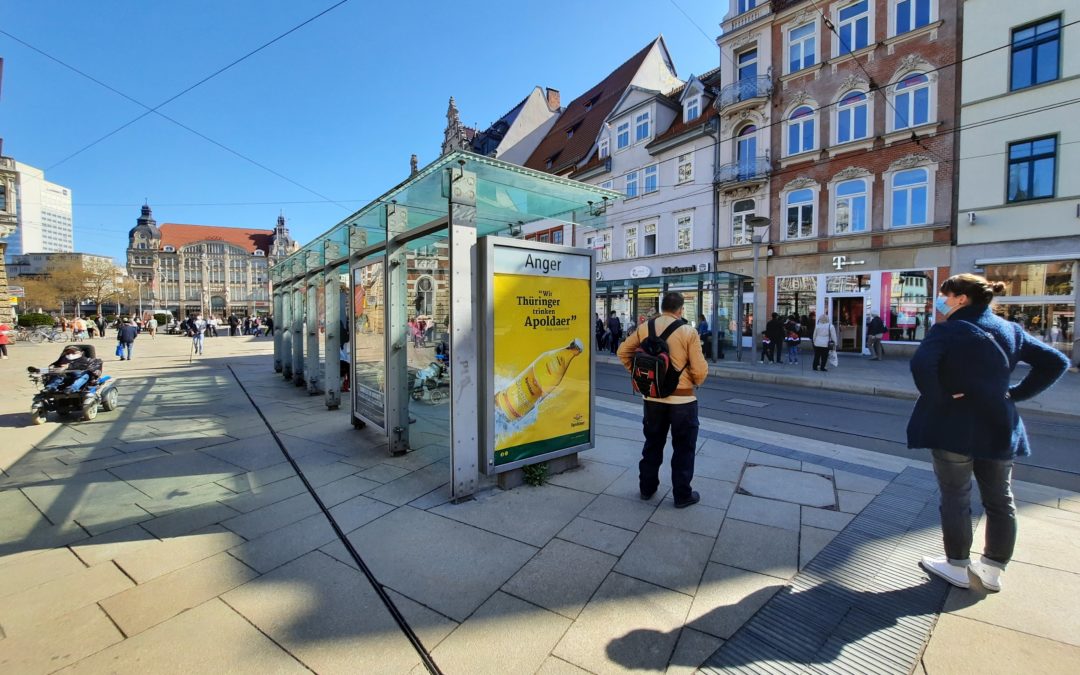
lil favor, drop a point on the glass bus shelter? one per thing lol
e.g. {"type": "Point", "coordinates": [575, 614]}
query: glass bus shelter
{"type": "Point", "coordinates": [392, 289]}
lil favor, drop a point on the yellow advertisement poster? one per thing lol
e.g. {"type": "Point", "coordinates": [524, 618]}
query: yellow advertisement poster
{"type": "Point", "coordinates": [542, 357]}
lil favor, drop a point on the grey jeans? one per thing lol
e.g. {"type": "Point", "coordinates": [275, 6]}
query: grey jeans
{"type": "Point", "coordinates": [954, 472]}
{"type": "Point", "coordinates": [873, 342]}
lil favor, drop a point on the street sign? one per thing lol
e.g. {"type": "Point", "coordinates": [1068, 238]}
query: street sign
{"type": "Point", "coordinates": [17, 291]}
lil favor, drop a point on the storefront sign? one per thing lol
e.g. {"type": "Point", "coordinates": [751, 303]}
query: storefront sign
{"type": "Point", "coordinates": [640, 272]}
{"type": "Point", "coordinates": [840, 262]}
{"type": "Point", "coordinates": [540, 324]}
{"type": "Point", "coordinates": [685, 269]}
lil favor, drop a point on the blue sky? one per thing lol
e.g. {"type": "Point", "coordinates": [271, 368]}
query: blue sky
{"type": "Point", "coordinates": [338, 105]}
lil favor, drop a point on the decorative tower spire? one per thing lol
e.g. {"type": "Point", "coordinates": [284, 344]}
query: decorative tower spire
{"type": "Point", "coordinates": [454, 134]}
{"type": "Point", "coordinates": [413, 163]}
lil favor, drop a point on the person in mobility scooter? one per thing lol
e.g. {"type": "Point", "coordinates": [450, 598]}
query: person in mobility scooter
{"type": "Point", "coordinates": [73, 384]}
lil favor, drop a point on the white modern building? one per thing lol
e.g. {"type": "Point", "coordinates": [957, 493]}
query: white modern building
{"type": "Point", "coordinates": [1019, 196]}
{"type": "Point", "coordinates": [44, 214]}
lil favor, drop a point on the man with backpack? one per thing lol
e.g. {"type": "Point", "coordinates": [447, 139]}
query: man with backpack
{"type": "Point", "coordinates": [665, 361]}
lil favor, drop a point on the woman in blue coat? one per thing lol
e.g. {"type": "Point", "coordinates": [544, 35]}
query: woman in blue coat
{"type": "Point", "coordinates": [966, 415]}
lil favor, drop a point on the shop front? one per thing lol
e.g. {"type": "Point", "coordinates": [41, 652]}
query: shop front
{"type": "Point", "coordinates": [1039, 295]}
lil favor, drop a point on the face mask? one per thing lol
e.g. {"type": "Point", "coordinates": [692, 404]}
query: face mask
{"type": "Point", "coordinates": [71, 357]}
{"type": "Point", "coordinates": [942, 306]}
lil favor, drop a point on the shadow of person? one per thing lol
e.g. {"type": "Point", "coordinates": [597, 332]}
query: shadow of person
{"type": "Point", "coordinates": [803, 627]}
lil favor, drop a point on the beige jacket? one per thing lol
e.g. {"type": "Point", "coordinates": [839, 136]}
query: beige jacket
{"type": "Point", "coordinates": [684, 345]}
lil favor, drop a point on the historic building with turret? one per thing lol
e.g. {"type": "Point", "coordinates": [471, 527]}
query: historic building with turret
{"type": "Point", "coordinates": [205, 269]}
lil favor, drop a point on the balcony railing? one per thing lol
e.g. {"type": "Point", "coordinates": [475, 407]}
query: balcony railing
{"type": "Point", "coordinates": [750, 169]}
{"type": "Point", "coordinates": [745, 90]}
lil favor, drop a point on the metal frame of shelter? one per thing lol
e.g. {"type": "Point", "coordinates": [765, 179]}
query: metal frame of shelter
{"type": "Point", "coordinates": [452, 201]}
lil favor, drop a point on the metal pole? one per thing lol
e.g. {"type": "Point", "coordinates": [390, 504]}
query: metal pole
{"type": "Point", "coordinates": [757, 310]}
{"type": "Point", "coordinates": [332, 368]}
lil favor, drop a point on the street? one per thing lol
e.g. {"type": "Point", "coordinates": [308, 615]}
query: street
{"type": "Point", "coordinates": [870, 422]}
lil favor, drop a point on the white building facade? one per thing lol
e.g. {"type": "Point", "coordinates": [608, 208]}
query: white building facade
{"type": "Point", "coordinates": [44, 214]}
{"type": "Point", "coordinates": [1019, 194]}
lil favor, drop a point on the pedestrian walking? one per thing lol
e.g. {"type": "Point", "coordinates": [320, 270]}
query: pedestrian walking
{"type": "Point", "coordinates": [601, 330]}
{"type": "Point", "coordinates": [101, 325]}
{"type": "Point", "coordinates": [7, 334]}
{"type": "Point", "coordinates": [791, 339]}
{"type": "Point", "coordinates": [344, 367]}
{"type": "Point", "coordinates": [966, 416]}
{"type": "Point", "coordinates": [234, 324]}
{"type": "Point", "coordinates": [775, 330]}
{"type": "Point", "coordinates": [874, 332]}
{"type": "Point", "coordinates": [824, 341]}
{"type": "Point", "coordinates": [125, 336]}
{"type": "Point", "coordinates": [677, 413]}
{"type": "Point", "coordinates": [705, 335]}
{"type": "Point", "coordinates": [269, 323]}
{"type": "Point", "coordinates": [198, 331]}
{"type": "Point", "coordinates": [151, 327]}
{"type": "Point", "coordinates": [614, 327]}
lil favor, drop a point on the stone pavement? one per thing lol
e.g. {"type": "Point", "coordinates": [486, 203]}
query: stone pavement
{"type": "Point", "coordinates": [888, 377]}
{"type": "Point", "coordinates": [172, 536]}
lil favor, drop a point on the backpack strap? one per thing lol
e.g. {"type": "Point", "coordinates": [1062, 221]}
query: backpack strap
{"type": "Point", "coordinates": [652, 328]}
{"type": "Point", "coordinates": [993, 340]}
{"type": "Point", "coordinates": [675, 325]}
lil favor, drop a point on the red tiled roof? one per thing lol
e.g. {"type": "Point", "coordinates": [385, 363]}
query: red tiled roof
{"type": "Point", "coordinates": [177, 235]}
{"type": "Point", "coordinates": [564, 152]}
{"type": "Point", "coordinates": [680, 126]}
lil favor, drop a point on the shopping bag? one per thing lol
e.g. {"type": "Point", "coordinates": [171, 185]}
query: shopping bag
{"type": "Point", "coordinates": [119, 349]}
{"type": "Point", "coordinates": [833, 360]}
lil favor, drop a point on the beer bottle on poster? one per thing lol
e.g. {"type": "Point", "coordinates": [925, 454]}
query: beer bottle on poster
{"type": "Point", "coordinates": [538, 380]}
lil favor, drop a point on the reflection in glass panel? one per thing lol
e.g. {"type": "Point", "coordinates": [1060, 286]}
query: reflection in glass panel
{"type": "Point", "coordinates": [1055, 278]}
{"type": "Point", "coordinates": [428, 325]}
{"type": "Point", "coordinates": [797, 296]}
{"type": "Point", "coordinates": [368, 341]}
{"type": "Point", "coordinates": [908, 306]}
{"type": "Point", "coordinates": [1054, 324]}
{"type": "Point", "coordinates": [847, 283]}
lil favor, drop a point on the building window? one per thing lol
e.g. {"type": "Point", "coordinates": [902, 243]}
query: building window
{"type": "Point", "coordinates": [851, 117]}
{"type": "Point", "coordinates": [641, 127]}
{"type": "Point", "coordinates": [800, 130]}
{"type": "Point", "coordinates": [622, 135]}
{"type": "Point", "coordinates": [684, 232]}
{"type": "Point", "coordinates": [649, 239]}
{"type": "Point", "coordinates": [692, 108]}
{"type": "Point", "coordinates": [797, 296]}
{"type": "Point", "coordinates": [746, 5]}
{"type": "Point", "coordinates": [605, 148]}
{"type": "Point", "coordinates": [557, 236]}
{"type": "Point", "coordinates": [910, 198]}
{"type": "Point", "coordinates": [604, 242]}
{"type": "Point", "coordinates": [631, 184]}
{"type": "Point", "coordinates": [802, 47]}
{"type": "Point", "coordinates": [740, 230]}
{"type": "Point", "coordinates": [1036, 53]}
{"type": "Point", "coordinates": [854, 27]}
{"type": "Point", "coordinates": [684, 168]}
{"type": "Point", "coordinates": [1049, 278]}
{"type": "Point", "coordinates": [606, 184]}
{"type": "Point", "coordinates": [1031, 169]}
{"type": "Point", "coordinates": [911, 102]}
{"type": "Point", "coordinates": [651, 184]}
{"type": "Point", "coordinates": [800, 214]}
{"type": "Point", "coordinates": [748, 63]}
{"type": "Point", "coordinates": [912, 14]}
{"type": "Point", "coordinates": [3, 198]}
{"type": "Point", "coordinates": [850, 207]}
{"type": "Point", "coordinates": [631, 242]}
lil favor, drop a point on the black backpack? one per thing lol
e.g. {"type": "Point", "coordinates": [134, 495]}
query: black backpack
{"type": "Point", "coordinates": [651, 369]}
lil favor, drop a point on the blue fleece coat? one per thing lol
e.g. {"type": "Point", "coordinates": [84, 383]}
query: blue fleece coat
{"type": "Point", "coordinates": [955, 358]}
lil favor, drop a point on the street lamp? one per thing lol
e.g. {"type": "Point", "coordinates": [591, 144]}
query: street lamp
{"type": "Point", "coordinates": [758, 226]}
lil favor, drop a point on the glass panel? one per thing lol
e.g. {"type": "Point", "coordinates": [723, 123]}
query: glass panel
{"type": "Point", "coordinates": [1054, 324]}
{"type": "Point", "coordinates": [907, 304]}
{"type": "Point", "coordinates": [428, 311]}
{"type": "Point", "coordinates": [797, 296]}
{"type": "Point", "coordinates": [368, 341]}
{"type": "Point", "coordinates": [847, 283]}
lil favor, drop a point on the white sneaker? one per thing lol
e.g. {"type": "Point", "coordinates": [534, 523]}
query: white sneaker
{"type": "Point", "coordinates": [989, 575]}
{"type": "Point", "coordinates": [957, 575]}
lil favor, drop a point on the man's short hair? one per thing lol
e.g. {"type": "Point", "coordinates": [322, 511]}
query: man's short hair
{"type": "Point", "coordinates": [613, 313]}
{"type": "Point", "coordinates": [672, 302]}
{"type": "Point", "coordinates": [72, 348]}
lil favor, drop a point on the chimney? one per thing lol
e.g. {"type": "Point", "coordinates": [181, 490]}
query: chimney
{"type": "Point", "coordinates": [554, 101]}
{"type": "Point", "coordinates": [412, 166]}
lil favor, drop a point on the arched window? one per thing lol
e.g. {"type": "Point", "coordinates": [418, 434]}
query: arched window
{"type": "Point", "coordinates": [800, 130]}
{"type": "Point", "coordinates": [3, 198]}
{"type": "Point", "coordinates": [910, 198]}
{"type": "Point", "coordinates": [911, 101]}
{"type": "Point", "coordinates": [800, 214]}
{"type": "Point", "coordinates": [746, 151]}
{"type": "Point", "coordinates": [425, 296]}
{"type": "Point", "coordinates": [850, 207]}
{"type": "Point", "coordinates": [740, 229]}
{"type": "Point", "coordinates": [852, 113]}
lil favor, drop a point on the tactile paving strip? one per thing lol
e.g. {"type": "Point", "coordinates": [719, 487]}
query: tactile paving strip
{"type": "Point", "coordinates": [862, 605]}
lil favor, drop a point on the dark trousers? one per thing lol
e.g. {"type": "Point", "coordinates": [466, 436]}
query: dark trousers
{"type": "Point", "coordinates": [821, 357]}
{"type": "Point", "coordinates": [954, 473]}
{"type": "Point", "coordinates": [682, 420]}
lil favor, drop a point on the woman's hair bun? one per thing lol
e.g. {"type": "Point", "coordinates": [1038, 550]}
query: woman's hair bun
{"type": "Point", "coordinates": [998, 287]}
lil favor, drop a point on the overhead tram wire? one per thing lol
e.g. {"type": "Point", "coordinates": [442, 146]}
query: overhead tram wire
{"type": "Point", "coordinates": [204, 80]}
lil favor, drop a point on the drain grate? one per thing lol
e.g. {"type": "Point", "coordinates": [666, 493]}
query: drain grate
{"type": "Point", "coordinates": [862, 605]}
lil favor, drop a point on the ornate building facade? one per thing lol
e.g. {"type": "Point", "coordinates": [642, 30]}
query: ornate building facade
{"type": "Point", "coordinates": [203, 269]}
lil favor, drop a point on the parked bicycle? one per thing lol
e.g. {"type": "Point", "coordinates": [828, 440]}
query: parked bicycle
{"type": "Point", "coordinates": [49, 334]}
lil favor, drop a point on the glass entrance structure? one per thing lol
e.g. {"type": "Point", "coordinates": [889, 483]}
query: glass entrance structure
{"type": "Point", "coordinates": [406, 323]}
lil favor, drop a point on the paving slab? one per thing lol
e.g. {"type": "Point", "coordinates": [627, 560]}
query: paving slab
{"type": "Point", "coordinates": [113, 544]}
{"type": "Point", "coordinates": [727, 597]}
{"type": "Point", "coordinates": [758, 548]}
{"type": "Point", "coordinates": [153, 561]}
{"type": "Point", "coordinates": [853, 502]}
{"type": "Point", "coordinates": [185, 498]}
{"type": "Point", "coordinates": [699, 519]}
{"type": "Point", "coordinates": [383, 473]}
{"type": "Point", "coordinates": [959, 647]}
{"type": "Point", "coordinates": [808, 489]}
{"type": "Point", "coordinates": [503, 631]}
{"type": "Point", "coordinates": [245, 482]}
{"type": "Point", "coordinates": [667, 557]}
{"type": "Point", "coordinates": [1045, 542]}
{"type": "Point", "coordinates": [344, 489]}
{"type": "Point", "coordinates": [765, 512]}
{"type": "Point", "coordinates": [403, 490]}
{"type": "Point", "coordinates": [274, 516]}
{"type": "Point", "coordinates": [714, 493]}
{"type": "Point", "coordinates": [854, 482]}
{"type": "Point", "coordinates": [252, 453]}
{"type": "Point", "coordinates": [625, 513]}
{"type": "Point", "coordinates": [430, 626]}
{"type": "Point", "coordinates": [188, 520]}
{"type": "Point", "coordinates": [34, 571]}
{"type": "Point", "coordinates": [529, 514]}
{"type": "Point", "coordinates": [226, 643]}
{"type": "Point", "coordinates": [358, 511]}
{"type": "Point", "coordinates": [544, 580]}
{"type": "Point", "coordinates": [162, 598]}
{"type": "Point", "coordinates": [628, 486]}
{"type": "Point", "coordinates": [813, 540]}
{"type": "Point", "coordinates": [760, 458]}
{"type": "Point", "coordinates": [21, 611]}
{"type": "Point", "coordinates": [278, 547]}
{"type": "Point", "coordinates": [629, 624]}
{"type": "Point", "coordinates": [825, 519]}
{"type": "Point", "coordinates": [58, 642]}
{"type": "Point", "coordinates": [590, 476]}
{"type": "Point", "coordinates": [158, 477]}
{"type": "Point", "coordinates": [327, 616]}
{"type": "Point", "coordinates": [691, 651]}
{"type": "Point", "coordinates": [421, 537]}
{"type": "Point", "coordinates": [721, 468]}
{"type": "Point", "coordinates": [556, 666]}
{"type": "Point", "coordinates": [600, 536]}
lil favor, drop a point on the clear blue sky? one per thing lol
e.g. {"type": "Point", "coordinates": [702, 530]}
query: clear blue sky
{"type": "Point", "coordinates": [338, 105]}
